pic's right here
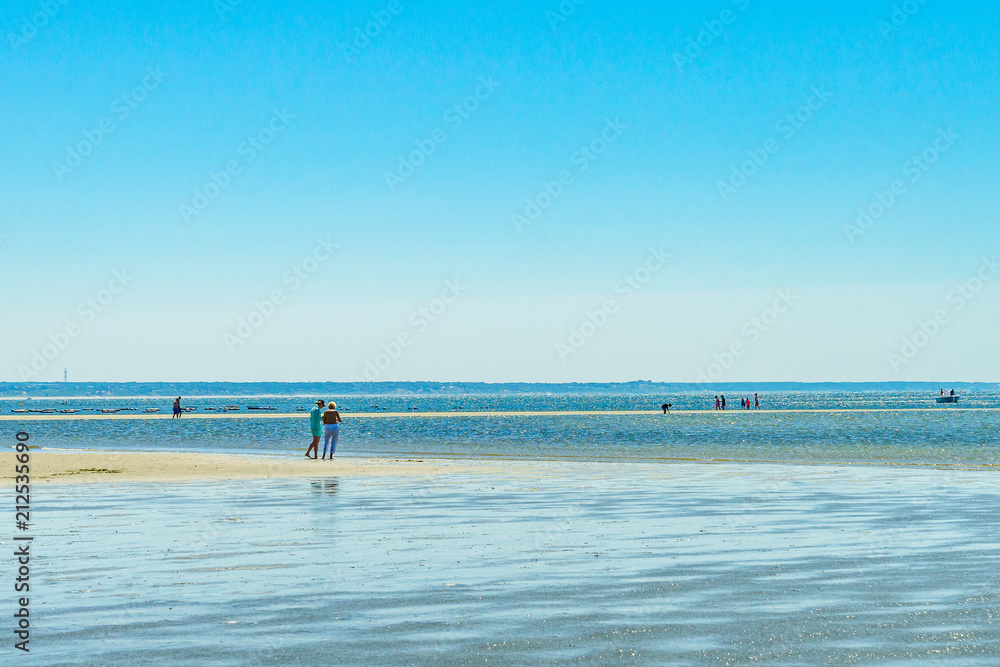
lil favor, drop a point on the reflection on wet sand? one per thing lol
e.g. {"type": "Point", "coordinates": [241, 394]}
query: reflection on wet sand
{"type": "Point", "coordinates": [604, 563]}
{"type": "Point", "coordinates": [326, 487]}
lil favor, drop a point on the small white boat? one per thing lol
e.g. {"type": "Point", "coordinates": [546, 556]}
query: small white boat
{"type": "Point", "coordinates": [151, 410]}
{"type": "Point", "coordinates": [947, 399]}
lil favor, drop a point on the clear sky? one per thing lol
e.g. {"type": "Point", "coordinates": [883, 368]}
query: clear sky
{"type": "Point", "coordinates": [518, 172]}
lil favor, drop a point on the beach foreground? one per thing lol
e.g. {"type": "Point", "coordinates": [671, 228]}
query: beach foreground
{"type": "Point", "coordinates": [509, 562]}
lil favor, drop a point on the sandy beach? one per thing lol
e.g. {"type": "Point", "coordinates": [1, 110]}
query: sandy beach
{"type": "Point", "coordinates": [87, 467]}
{"type": "Point", "coordinates": [100, 466]}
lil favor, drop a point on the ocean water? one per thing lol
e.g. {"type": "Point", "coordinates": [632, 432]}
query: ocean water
{"type": "Point", "coordinates": [623, 564]}
{"type": "Point", "coordinates": [562, 400]}
{"type": "Point", "coordinates": [863, 427]}
{"type": "Point", "coordinates": [702, 538]}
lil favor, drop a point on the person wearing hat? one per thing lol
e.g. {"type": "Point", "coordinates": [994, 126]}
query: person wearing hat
{"type": "Point", "coordinates": [331, 429]}
{"type": "Point", "coordinates": [316, 426]}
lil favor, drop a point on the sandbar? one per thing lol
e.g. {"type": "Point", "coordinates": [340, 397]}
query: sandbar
{"type": "Point", "coordinates": [499, 413]}
{"type": "Point", "coordinates": [106, 466]}
{"type": "Point", "coordinates": [96, 466]}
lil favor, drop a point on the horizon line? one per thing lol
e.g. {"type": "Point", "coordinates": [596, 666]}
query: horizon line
{"type": "Point", "coordinates": [491, 383]}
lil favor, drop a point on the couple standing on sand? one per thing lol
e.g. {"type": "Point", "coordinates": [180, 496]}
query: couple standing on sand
{"type": "Point", "coordinates": [325, 424]}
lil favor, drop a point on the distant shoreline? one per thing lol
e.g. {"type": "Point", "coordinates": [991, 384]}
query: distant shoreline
{"type": "Point", "coordinates": [23, 391]}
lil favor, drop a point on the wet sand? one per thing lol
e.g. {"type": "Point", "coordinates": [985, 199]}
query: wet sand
{"type": "Point", "coordinates": [604, 564]}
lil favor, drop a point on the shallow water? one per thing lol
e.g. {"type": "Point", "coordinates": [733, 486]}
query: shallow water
{"type": "Point", "coordinates": [939, 436]}
{"type": "Point", "coordinates": [592, 563]}
{"type": "Point", "coordinates": [608, 555]}
{"type": "Point", "coordinates": [403, 402]}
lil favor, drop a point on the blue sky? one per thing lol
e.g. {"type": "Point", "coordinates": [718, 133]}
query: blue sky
{"type": "Point", "coordinates": [199, 82]}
